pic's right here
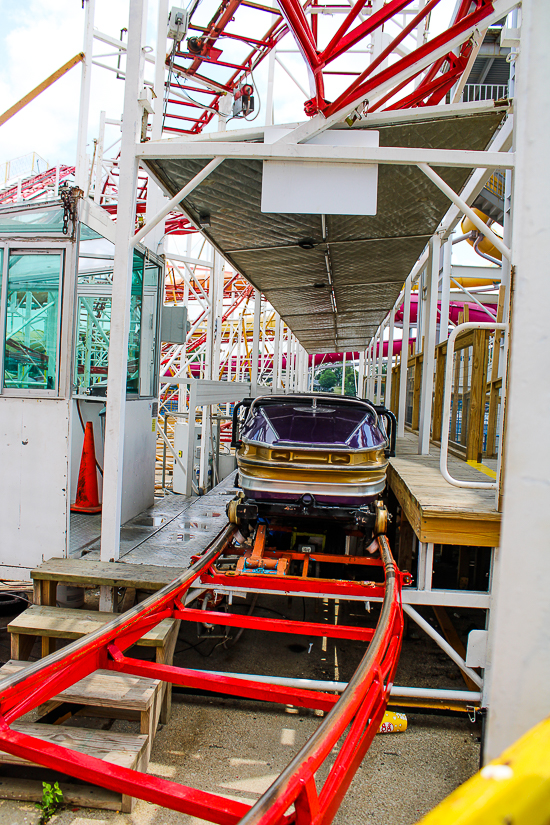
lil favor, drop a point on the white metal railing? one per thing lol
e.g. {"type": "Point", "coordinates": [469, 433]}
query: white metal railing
{"type": "Point", "coordinates": [476, 485]}
{"type": "Point", "coordinates": [484, 91]}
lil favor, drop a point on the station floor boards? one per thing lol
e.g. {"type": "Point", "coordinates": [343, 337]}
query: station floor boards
{"type": "Point", "coordinates": [438, 511]}
{"type": "Point", "coordinates": [174, 529]}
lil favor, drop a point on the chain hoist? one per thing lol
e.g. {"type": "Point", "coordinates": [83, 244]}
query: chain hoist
{"type": "Point", "coordinates": [70, 196]}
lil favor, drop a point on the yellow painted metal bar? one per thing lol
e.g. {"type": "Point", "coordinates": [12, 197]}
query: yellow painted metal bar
{"type": "Point", "coordinates": [41, 87]}
{"type": "Point", "coordinates": [515, 788]}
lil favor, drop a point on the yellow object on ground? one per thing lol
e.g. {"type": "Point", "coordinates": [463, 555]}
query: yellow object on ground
{"type": "Point", "coordinates": [515, 788]}
{"type": "Point", "coordinates": [393, 723]}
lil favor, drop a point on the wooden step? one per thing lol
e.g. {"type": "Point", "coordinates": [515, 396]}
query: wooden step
{"type": "Point", "coordinates": [104, 693]}
{"type": "Point", "coordinates": [24, 782]}
{"type": "Point", "coordinates": [51, 623]}
{"type": "Point", "coordinates": [88, 573]}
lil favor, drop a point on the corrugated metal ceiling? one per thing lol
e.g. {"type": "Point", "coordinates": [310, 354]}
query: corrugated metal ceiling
{"type": "Point", "coordinates": [370, 255]}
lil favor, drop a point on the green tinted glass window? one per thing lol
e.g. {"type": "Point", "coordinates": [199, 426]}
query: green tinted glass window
{"type": "Point", "coordinates": [32, 321]}
{"type": "Point", "coordinates": [132, 382]}
{"type": "Point", "coordinates": [92, 341]}
{"type": "Point", "coordinates": [34, 221]}
{"type": "Point", "coordinates": [148, 353]}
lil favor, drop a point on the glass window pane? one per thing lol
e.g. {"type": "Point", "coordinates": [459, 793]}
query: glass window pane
{"type": "Point", "coordinates": [147, 384]}
{"type": "Point", "coordinates": [32, 321]}
{"type": "Point", "coordinates": [36, 221]}
{"type": "Point", "coordinates": [95, 261]}
{"type": "Point", "coordinates": [92, 343]}
{"type": "Point", "coordinates": [132, 382]}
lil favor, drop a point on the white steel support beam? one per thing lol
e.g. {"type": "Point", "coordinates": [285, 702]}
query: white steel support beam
{"type": "Point", "coordinates": [518, 693]}
{"type": "Point", "coordinates": [122, 282]}
{"type": "Point", "coordinates": [81, 171]}
{"type": "Point", "coordinates": [175, 201]}
{"type": "Point", "coordinates": [463, 206]}
{"type": "Point", "coordinates": [370, 375]}
{"type": "Point", "coordinates": [98, 172]}
{"type": "Point", "coordinates": [256, 340]}
{"type": "Point", "coordinates": [361, 375]}
{"type": "Point", "coordinates": [445, 292]}
{"type": "Point", "coordinates": [380, 363]}
{"type": "Point", "coordinates": [343, 374]}
{"type": "Point", "coordinates": [430, 323]}
{"type": "Point", "coordinates": [276, 375]}
{"type": "Point", "coordinates": [444, 645]}
{"type": "Point", "coordinates": [389, 363]}
{"type": "Point", "coordinates": [155, 197]}
{"type": "Point", "coordinates": [404, 360]}
{"type": "Point", "coordinates": [317, 153]}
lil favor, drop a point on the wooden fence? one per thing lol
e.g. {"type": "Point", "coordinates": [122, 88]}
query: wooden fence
{"type": "Point", "coordinates": [475, 394]}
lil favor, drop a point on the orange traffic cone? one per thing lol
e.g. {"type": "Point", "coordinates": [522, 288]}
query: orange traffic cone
{"type": "Point", "coordinates": [87, 498]}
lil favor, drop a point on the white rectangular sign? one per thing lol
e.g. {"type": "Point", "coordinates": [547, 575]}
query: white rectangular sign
{"type": "Point", "coordinates": [310, 188]}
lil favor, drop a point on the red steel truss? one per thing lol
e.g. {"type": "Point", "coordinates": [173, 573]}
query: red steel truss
{"type": "Point", "coordinates": [352, 719]}
{"type": "Point", "coordinates": [35, 186]}
{"type": "Point", "coordinates": [196, 75]}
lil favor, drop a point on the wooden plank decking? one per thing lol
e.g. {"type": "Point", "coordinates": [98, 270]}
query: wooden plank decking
{"type": "Point", "coordinates": [436, 510]}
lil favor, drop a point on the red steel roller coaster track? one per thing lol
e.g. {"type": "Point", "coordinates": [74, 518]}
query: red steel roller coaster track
{"type": "Point", "coordinates": [351, 719]}
{"type": "Point", "coordinates": [442, 59]}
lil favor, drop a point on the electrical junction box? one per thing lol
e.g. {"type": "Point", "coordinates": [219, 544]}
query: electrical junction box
{"type": "Point", "coordinates": [177, 23]}
{"type": "Point", "coordinates": [476, 650]}
{"type": "Point", "coordinates": [173, 325]}
{"type": "Point", "coordinates": [181, 441]}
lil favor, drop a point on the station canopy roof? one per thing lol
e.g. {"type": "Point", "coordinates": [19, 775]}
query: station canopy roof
{"type": "Point", "coordinates": [370, 256]}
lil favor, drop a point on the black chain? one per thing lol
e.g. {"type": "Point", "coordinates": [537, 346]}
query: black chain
{"type": "Point", "coordinates": [70, 196]}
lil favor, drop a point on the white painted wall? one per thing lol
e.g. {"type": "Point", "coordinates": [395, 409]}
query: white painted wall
{"type": "Point", "coordinates": [518, 676]}
{"type": "Point", "coordinates": [138, 478]}
{"type": "Point", "coordinates": [34, 450]}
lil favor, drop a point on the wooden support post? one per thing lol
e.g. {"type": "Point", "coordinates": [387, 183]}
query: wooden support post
{"type": "Point", "coordinates": [474, 444]}
{"type": "Point", "coordinates": [395, 386]}
{"type": "Point", "coordinates": [416, 391]}
{"type": "Point", "coordinates": [108, 598]}
{"type": "Point", "coordinates": [454, 400]}
{"type": "Point", "coordinates": [406, 544]}
{"type": "Point", "coordinates": [438, 391]}
{"type": "Point", "coordinates": [494, 386]}
{"type": "Point", "coordinates": [45, 592]}
{"type": "Point", "coordinates": [21, 646]}
{"type": "Point", "coordinates": [465, 417]}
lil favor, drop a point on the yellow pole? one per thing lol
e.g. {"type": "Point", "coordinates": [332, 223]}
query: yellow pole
{"type": "Point", "coordinates": [78, 58]}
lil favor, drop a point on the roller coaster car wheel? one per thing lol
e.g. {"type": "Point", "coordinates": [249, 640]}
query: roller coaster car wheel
{"type": "Point", "coordinates": [231, 508]}
{"type": "Point", "coordinates": [381, 523]}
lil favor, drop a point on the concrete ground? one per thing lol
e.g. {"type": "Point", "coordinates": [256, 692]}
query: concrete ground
{"type": "Point", "coordinates": [237, 748]}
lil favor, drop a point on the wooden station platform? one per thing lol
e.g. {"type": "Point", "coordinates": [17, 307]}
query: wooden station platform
{"type": "Point", "coordinates": [437, 511]}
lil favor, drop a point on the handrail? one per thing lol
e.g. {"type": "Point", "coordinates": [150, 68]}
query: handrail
{"type": "Point", "coordinates": [472, 485]}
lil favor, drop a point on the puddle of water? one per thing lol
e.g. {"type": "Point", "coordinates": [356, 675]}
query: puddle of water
{"type": "Point", "coordinates": [186, 536]}
{"type": "Point", "coordinates": [150, 521]}
{"type": "Point", "coordinates": [196, 525]}
{"type": "Point", "coordinates": [209, 514]}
